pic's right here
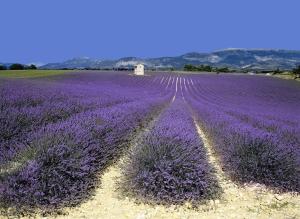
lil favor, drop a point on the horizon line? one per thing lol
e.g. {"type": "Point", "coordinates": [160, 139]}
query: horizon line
{"type": "Point", "coordinates": [41, 63]}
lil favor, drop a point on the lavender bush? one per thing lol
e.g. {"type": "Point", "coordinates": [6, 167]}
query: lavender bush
{"type": "Point", "coordinates": [58, 163]}
{"type": "Point", "coordinates": [41, 107]}
{"type": "Point", "coordinates": [254, 129]}
{"type": "Point", "coordinates": [169, 165]}
{"type": "Point", "coordinates": [57, 134]}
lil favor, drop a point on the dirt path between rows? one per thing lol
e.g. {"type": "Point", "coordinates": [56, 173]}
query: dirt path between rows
{"type": "Point", "coordinates": [251, 201]}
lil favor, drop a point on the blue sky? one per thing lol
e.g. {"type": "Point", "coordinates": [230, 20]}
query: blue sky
{"type": "Point", "coordinates": [55, 30]}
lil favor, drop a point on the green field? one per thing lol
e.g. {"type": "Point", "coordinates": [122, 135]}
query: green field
{"type": "Point", "coordinates": [31, 73]}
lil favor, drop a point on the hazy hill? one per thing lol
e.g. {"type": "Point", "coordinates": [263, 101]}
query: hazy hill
{"type": "Point", "coordinates": [233, 58]}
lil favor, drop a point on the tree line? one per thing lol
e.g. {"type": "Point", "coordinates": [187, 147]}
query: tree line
{"type": "Point", "coordinates": [17, 66]}
{"type": "Point", "coordinates": [296, 72]}
{"type": "Point", "coordinates": [205, 68]}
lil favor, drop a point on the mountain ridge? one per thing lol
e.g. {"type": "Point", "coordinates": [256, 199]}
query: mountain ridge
{"type": "Point", "coordinates": [235, 58]}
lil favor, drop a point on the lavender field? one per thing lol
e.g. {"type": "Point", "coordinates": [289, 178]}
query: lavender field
{"type": "Point", "coordinates": [60, 134]}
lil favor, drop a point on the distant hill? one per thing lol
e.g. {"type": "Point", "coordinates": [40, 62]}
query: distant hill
{"type": "Point", "coordinates": [6, 64]}
{"type": "Point", "coordinates": [260, 59]}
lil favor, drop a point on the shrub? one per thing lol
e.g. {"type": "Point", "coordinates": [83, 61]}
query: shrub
{"type": "Point", "coordinates": [260, 159]}
{"type": "Point", "coordinates": [239, 112]}
{"type": "Point", "coordinates": [169, 165]}
{"type": "Point", "coordinates": [3, 67]}
{"type": "Point", "coordinates": [296, 72]}
{"type": "Point", "coordinates": [16, 66]}
{"type": "Point", "coordinates": [32, 67]}
{"type": "Point", "coordinates": [59, 165]}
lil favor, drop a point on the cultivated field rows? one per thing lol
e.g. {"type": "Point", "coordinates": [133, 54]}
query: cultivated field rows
{"type": "Point", "coordinates": [196, 144]}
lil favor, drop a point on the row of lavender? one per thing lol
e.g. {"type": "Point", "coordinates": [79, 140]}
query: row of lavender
{"type": "Point", "coordinates": [253, 123]}
{"type": "Point", "coordinates": [59, 134]}
{"type": "Point", "coordinates": [54, 155]}
{"type": "Point", "coordinates": [25, 107]}
{"type": "Point", "coordinates": [169, 164]}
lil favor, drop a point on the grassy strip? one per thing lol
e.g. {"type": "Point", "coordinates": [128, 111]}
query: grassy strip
{"type": "Point", "coordinates": [31, 73]}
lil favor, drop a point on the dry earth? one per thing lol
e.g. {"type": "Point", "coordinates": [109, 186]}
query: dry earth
{"type": "Point", "coordinates": [287, 76]}
{"type": "Point", "coordinates": [249, 201]}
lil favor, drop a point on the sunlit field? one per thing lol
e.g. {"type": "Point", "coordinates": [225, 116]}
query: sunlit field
{"type": "Point", "coordinates": [164, 145]}
{"type": "Point", "coordinates": [31, 73]}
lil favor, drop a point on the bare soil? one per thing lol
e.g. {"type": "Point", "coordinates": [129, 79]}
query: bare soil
{"type": "Point", "coordinates": [248, 201]}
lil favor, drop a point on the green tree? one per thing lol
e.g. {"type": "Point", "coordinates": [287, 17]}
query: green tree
{"type": "Point", "coordinates": [16, 66]}
{"type": "Point", "coordinates": [296, 72]}
{"type": "Point", "coordinates": [206, 68]}
{"type": "Point", "coordinates": [225, 69]}
{"type": "Point", "coordinates": [277, 71]}
{"type": "Point", "coordinates": [3, 67]}
{"type": "Point", "coordinates": [32, 66]}
{"type": "Point", "coordinates": [189, 67]}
